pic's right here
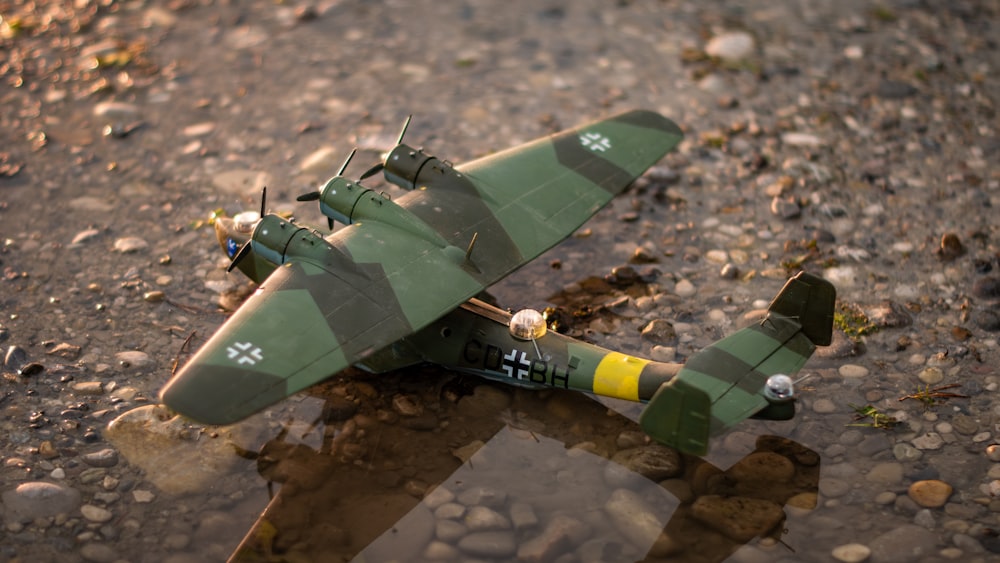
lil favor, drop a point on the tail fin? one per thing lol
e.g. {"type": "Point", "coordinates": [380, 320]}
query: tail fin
{"type": "Point", "coordinates": [736, 377]}
{"type": "Point", "coordinates": [810, 300]}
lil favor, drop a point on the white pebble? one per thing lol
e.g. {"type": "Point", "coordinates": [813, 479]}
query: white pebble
{"type": "Point", "coordinates": [851, 553]}
{"type": "Point", "coordinates": [852, 371]}
{"type": "Point", "coordinates": [717, 256]}
{"type": "Point", "coordinates": [731, 46]}
{"type": "Point", "coordinates": [684, 288]}
{"type": "Point", "coordinates": [854, 52]}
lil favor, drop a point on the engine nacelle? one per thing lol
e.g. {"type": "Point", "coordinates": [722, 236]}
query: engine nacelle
{"type": "Point", "coordinates": [271, 237]}
{"type": "Point", "coordinates": [339, 198]}
{"type": "Point", "coordinates": [403, 165]}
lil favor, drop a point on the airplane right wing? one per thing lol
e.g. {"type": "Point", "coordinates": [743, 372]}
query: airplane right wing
{"type": "Point", "coordinates": [728, 381]}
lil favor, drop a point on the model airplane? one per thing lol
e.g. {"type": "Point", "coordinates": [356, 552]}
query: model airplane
{"type": "Point", "coordinates": [396, 287]}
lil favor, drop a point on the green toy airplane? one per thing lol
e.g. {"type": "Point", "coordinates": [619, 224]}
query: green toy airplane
{"type": "Point", "coordinates": [396, 287]}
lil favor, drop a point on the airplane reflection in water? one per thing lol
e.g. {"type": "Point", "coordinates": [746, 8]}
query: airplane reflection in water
{"type": "Point", "coordinates": [535, 490]}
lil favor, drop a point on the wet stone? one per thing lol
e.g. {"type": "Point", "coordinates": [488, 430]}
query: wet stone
{"type": "Point", "coordinates": [988, 320]}
{"type": "Point", "coordinates": [633, 517]}
{"type": "Point", "coordinates": [15, 358]}
{"type": "Point", "coordinates": [65, 350]}
{"type": "Point", "coordinates": [660, 332]}
{"type": "Point", "coordinates": [128, 245]}
{"type": "Point", "coordinates": [889, 314]}
{"type": "Point", "coordinates": [930, 493]}
{"type": "Point", "coordinates": [785, 208]}
{"type": "Point", "coordinates": [407, 405]}
{"type": "Point", "coordinates": [522, 516]}
{"type": "Point", "coordinates": [106, 457]}
{"type": "Point", "coordinates": [889, 473]}
{"type": "Point", "coordinates": [489, 544]}
{"type": "Point", "coordinates": [853, 371]}
{"type": "Point", "coordinates": [851, 553]}
{"type": "Point", "coordinates": [731, 46]}
{"type": "Point", "coordinates": [762, 467]}
{"type": "Point", "coordinates": [481, 518]}
{"type": "Point", "coordinates": [931, 375]}
{"type": "Point", "coordinates": [440, 495]}
{"type": "Point", "coordinates": [965, 424]}
{"type": "Point", "coordinates": [824, 406]}
{"type": "Point", "coordinates": [485, 496]}
{"type": "Point", "coordinates": [96, 513]}
{"type": "Point", "coordinates": [987, 288]}
{"type": "Point", "coordinates": [929, 441]}
{"type": "Point", "coordinates": [441, 551]}
{"type": "Point", "coordinates": [562, 534]}
{"type": "Point", "coordinates": [685, 288]}
{"type": "Point", "coordinates": [905, 543]}
{"type": "Point", "coordinates": [449, 530]}
{"type": "Point", "coordinates": [99, 553]}
{"type": "Point", "coordinates": [831, 487]}
{"type": "Point", "coordinates": [134, 360]}
{"type": "Point", "coordinates": [905, 452]}
{"type": "Point", "coordinates": [38, 499]}
{"type": "Point", "coordinates": [874, 444]}
{"type": "Point", "coordinates": [739, 518]}
{"type": "Point", "coordinates": [449, 511]}
{"type": "Point", "coordinates": [90, 388]}
{"type": "Point", "coordinates": [654, 462]}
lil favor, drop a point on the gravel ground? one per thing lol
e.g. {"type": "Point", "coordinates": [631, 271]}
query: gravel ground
{"type": "Point", "coordinates": [853, 139]}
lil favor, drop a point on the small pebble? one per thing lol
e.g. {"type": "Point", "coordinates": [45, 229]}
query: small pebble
{"type": "Point", "coordinates": [684, 288]}
{"type": "Point", "coordinates": [851, 371]}
{"type": "Point", "coordinates": [851, 553]}
{"type": "Point", "coordinates": [930, 493]}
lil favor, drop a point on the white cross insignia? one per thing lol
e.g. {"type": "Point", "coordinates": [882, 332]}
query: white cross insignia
{"type": "Point", "coordinates": [245, 353]}
{"type": "Point", "coordinates": [595, 142]}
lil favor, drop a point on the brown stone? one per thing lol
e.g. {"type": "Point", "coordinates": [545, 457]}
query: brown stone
{"type": "Point", "coordinates": [930, 493]}
{"type": "Point", "coordinates": [738, 518]}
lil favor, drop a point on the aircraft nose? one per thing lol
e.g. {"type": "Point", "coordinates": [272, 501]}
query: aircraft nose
{"type": "Point", "coordinates": [232, 233]}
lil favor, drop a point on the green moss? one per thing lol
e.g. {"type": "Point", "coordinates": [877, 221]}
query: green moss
{"type": "Point", "coordinates": [852, 320]}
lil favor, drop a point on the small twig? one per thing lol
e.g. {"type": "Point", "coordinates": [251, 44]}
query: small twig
{"type": "Point", "coordinates": [184, 345]}
{"type": "Point", "coordinates": [189, 308]}
{"type": "Point", "coordinates": [927, 395]}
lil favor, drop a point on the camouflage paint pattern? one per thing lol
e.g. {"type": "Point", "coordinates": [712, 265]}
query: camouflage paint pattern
{"type": "Point", "coordinates": [395, 287]}
{"type": "Point", "coordinates": [401, 265]}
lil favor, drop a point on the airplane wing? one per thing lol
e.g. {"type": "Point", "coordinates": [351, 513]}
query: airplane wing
{"type": "Point", "coordinates": [308, 320]}
{"type": "Point", "coordinates": [542, 191]}
{"type": "Point", "coordinates": [725, 383]}
{"type": "Point", "coordinates": [402, 264]}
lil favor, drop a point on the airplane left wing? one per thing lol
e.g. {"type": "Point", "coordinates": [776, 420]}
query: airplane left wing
{"type": "Point", "coordinates": [306, 322]}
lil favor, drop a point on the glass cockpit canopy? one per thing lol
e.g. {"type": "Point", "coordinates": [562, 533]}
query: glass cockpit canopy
{"type": "Point", "coordinates": [527, 324]}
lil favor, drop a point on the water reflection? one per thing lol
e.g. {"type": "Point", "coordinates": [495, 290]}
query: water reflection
{"type": "Point", "coordinates": [555, 477]}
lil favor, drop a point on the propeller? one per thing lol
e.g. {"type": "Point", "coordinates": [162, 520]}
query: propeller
{"type": "Point", "coordinates": [381, 165]}
{"type": "Point", "coordinates": [245, 249]}
{"type": "Point", "coordinates": [315, 195]}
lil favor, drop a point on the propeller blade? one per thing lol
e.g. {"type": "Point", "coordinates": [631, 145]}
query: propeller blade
{"type": "Point", "coordinates": [372, 171]}
{"type": "Point", "coordinates": [329, 223]}
{"type": "Point", "coordinates": [406, 124]}
{"type": "Point", "coordinates": [240, 255]}
{"type": "Point", "coordinates": [308, 196]}
{"type": "Point", "coordinates": [346, 162]}
{"type": "Point", "coordinates": [263, 201]}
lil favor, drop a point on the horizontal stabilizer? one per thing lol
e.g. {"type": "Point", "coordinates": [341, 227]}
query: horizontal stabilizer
{"type": "Point", "coordinates": [731, 380]}
{"type": "Point", "coordinates": [678, 416]}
